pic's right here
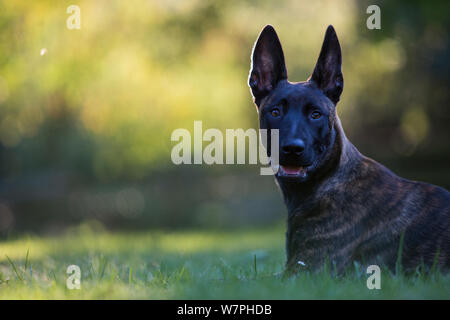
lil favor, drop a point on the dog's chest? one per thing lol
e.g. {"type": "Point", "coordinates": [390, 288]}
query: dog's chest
{"type": "Point", "coordinates": [328, 231]}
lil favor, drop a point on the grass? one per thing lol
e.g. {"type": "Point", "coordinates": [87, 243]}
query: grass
{"type": "Point", "coordinates": [243, 264]}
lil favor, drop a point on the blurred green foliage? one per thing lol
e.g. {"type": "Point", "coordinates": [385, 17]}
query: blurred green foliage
{"type": "Point", "coordinates": [96, 106]}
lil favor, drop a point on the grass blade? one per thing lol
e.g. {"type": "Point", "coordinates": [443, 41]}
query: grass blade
{"type": "Point", "coordinates": [435, 260]}
{"type": "Point", "coordinates": [26, 259]}
{"type": "Point", "coordinates": [398, 264]}
{"type": "Point", "coordinates": [130, 274]}
{"type": "Point", "coordinates": [254, 265]}
{"type": "Point", "coordinates": [14, 268]}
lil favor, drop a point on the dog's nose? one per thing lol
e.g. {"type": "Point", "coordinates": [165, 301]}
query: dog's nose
{"type": "Point", "coordinates": [294, 147]}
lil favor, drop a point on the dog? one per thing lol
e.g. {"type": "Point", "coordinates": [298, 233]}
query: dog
{"type": "Point", "coordinates": [343, 207]}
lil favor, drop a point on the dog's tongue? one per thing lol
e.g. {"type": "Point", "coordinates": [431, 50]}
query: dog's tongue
{"type": "Point", "coordinates": [293, 170]}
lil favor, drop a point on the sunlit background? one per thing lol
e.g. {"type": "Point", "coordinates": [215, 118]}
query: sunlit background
{"type": "Point", "coordinates": [86, 115]}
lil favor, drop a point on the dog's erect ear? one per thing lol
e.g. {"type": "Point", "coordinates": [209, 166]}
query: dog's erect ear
{"type": "Point", "coordinates": [268, 66]}
{"type": "Point", "coordinates": [328, 71]}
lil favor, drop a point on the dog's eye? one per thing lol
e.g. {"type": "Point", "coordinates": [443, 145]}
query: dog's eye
{"type": "Point", "coordinates": [316, 115]}
{"type": "Point", "coordinates": [275, 112]}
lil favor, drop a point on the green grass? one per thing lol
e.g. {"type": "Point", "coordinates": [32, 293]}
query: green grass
{"type": "Point", "coordinates": [242, 264]}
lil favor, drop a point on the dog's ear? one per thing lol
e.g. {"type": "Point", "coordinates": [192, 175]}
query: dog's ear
{"type": "Point", "coordinates": [327, 74]}
{"type": "Point", "coordinates": [268, 66]}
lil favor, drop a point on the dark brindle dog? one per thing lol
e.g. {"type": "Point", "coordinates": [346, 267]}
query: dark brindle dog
{"type": "Point", "coordinates": [342, 206]}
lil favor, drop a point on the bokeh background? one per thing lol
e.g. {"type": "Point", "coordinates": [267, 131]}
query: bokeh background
{"type": "Point", "coordinates": [86, 115]}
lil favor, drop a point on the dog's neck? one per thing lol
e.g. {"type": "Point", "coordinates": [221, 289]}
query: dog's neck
{"type": "Point", "coordinates": [341, 158]}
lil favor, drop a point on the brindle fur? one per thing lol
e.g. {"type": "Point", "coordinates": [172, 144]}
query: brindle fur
{"type": "Point", "coordinates": [351, 208]}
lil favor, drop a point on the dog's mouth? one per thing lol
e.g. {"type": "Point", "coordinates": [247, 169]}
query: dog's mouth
{"type": "Point", "coordinates": [293, 171]}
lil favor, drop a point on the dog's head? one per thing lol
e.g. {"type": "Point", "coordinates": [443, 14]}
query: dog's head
{"type": "Point", "coordinates": [304, 112]}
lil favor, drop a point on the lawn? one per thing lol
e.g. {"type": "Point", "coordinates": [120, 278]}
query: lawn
{"type": "Point", "coordinates": [243, 264]}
